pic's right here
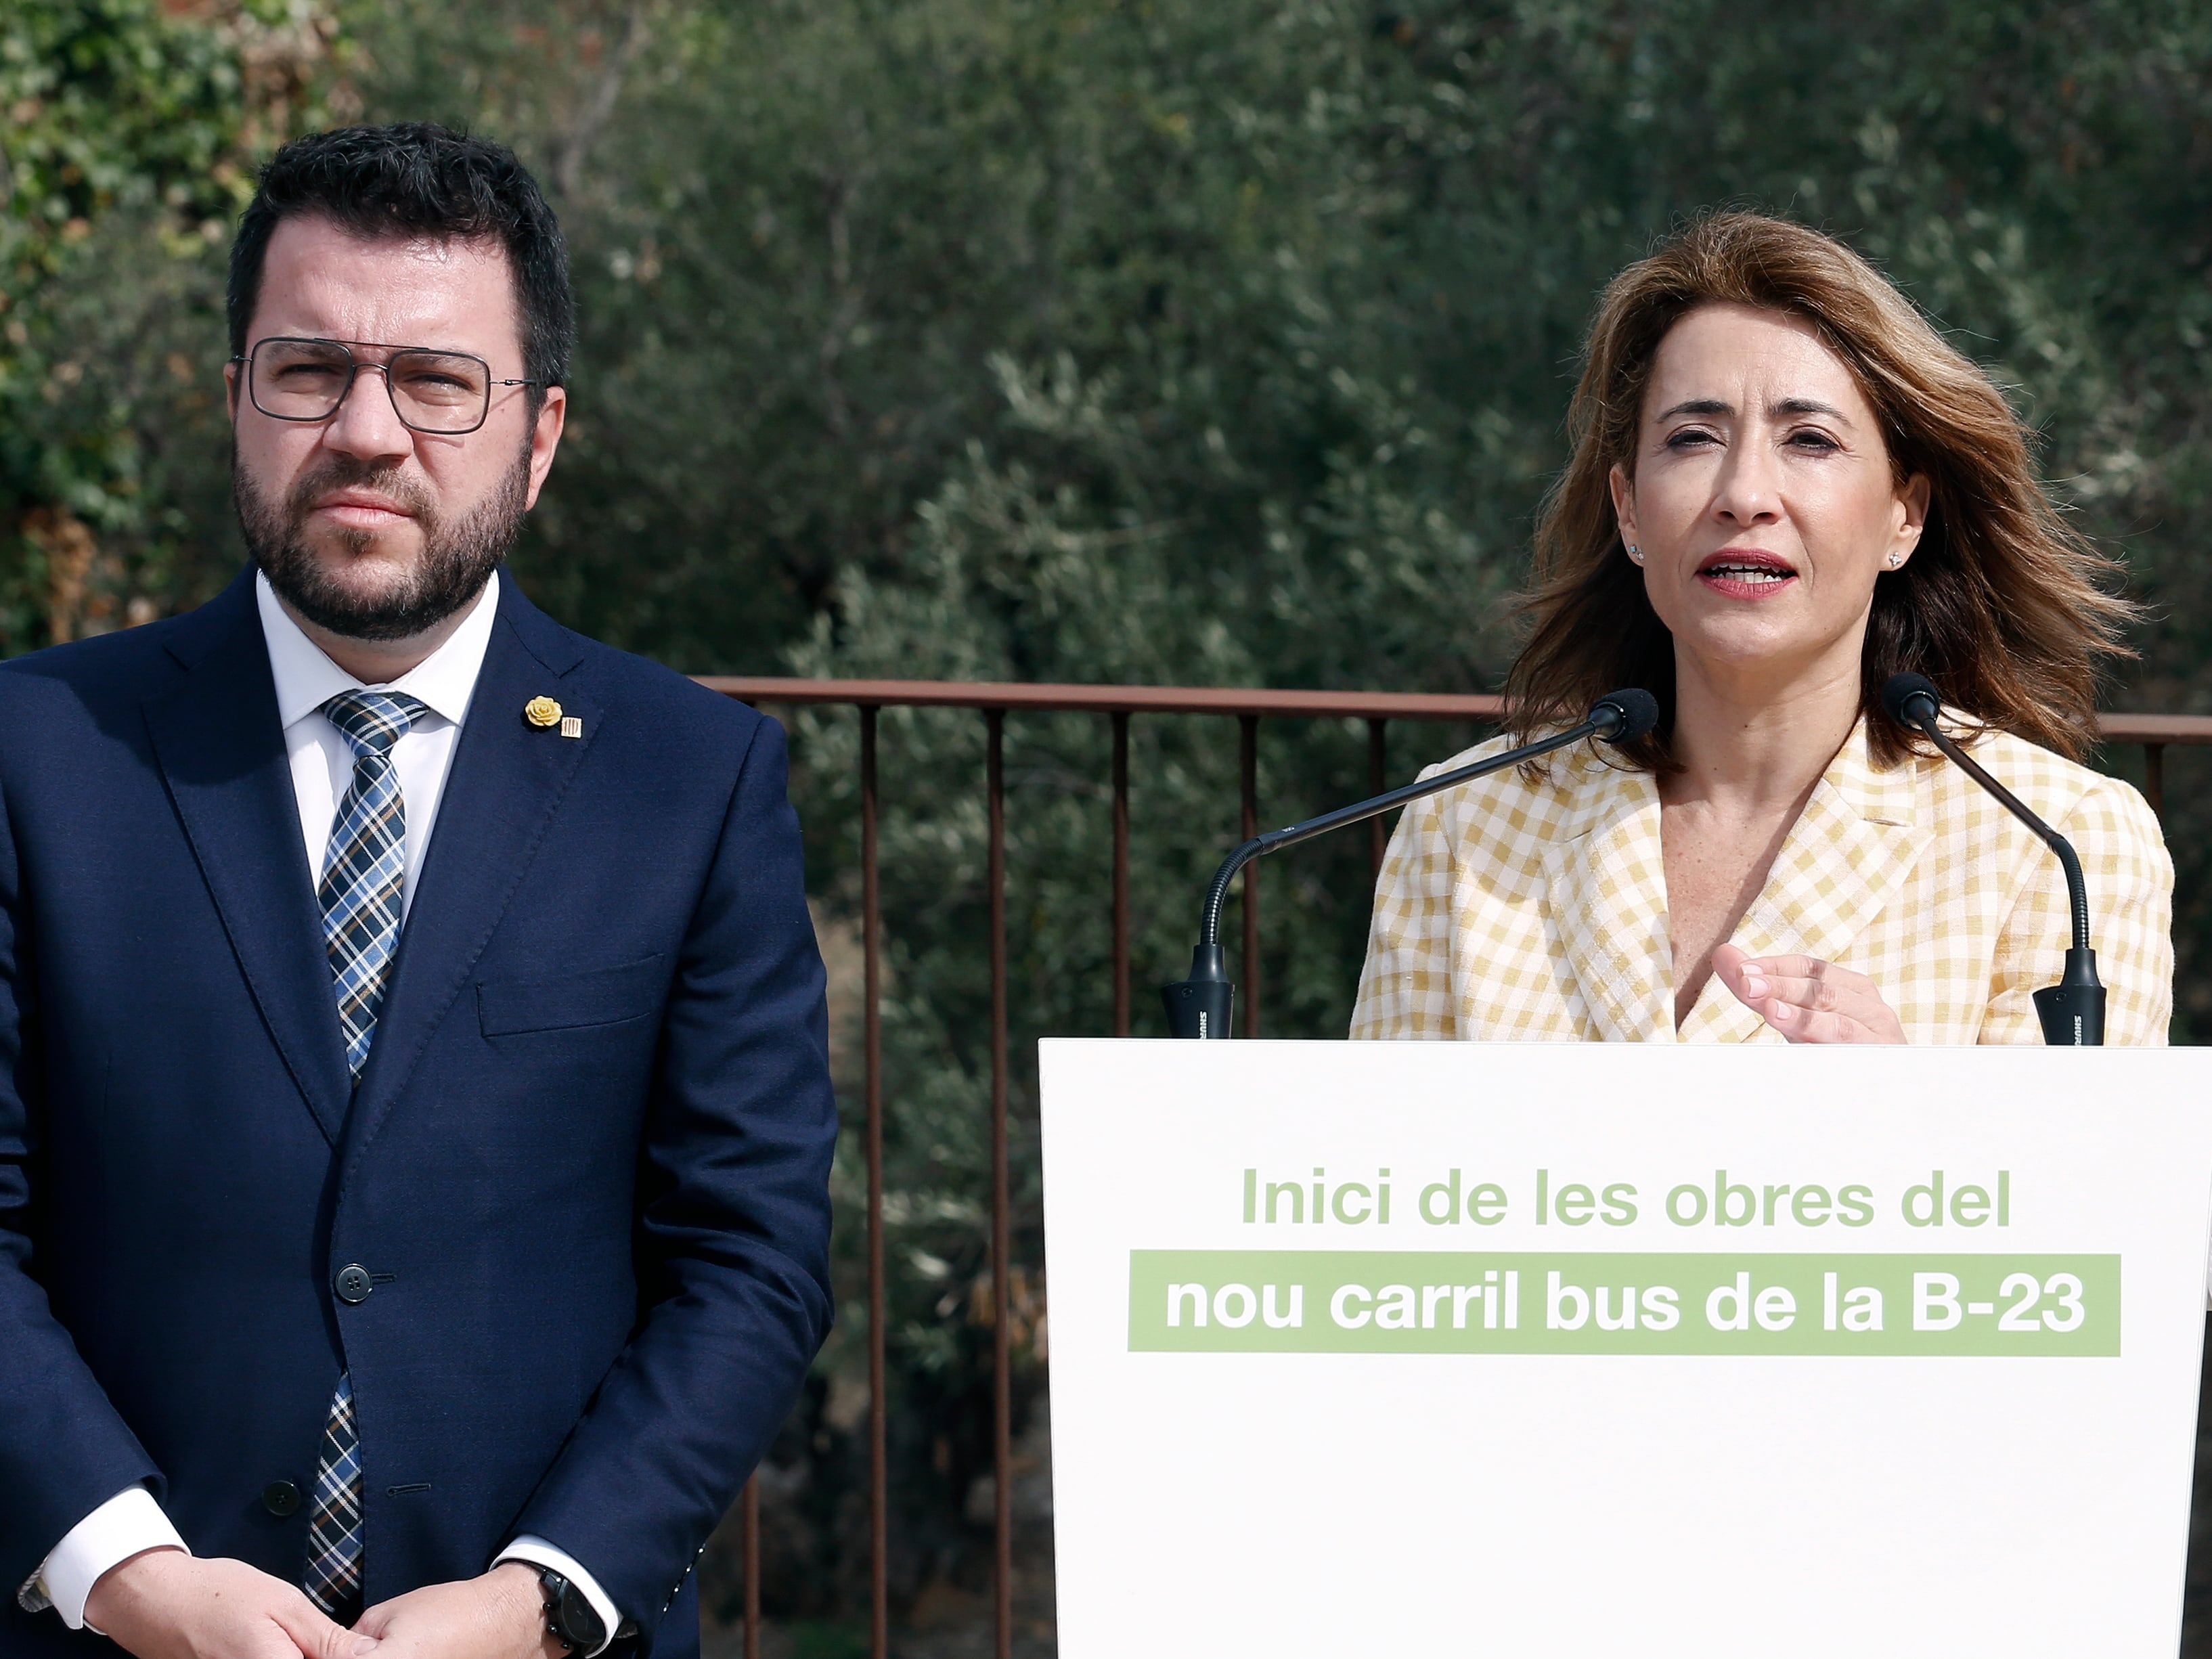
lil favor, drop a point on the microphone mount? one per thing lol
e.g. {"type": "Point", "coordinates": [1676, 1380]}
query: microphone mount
{"type": "Point", "coordinates": [2072, 1012]}
{"type": "Point", "coordinates": [1200, 1006]}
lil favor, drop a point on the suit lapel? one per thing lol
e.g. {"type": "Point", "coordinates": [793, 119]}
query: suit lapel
{"type": "Point", "coordinates": [507, 780]}
{"type": "Point", "coordinates": [221, 749]}
{"type": "Point", "coordinates": [1857, 838]}
{"type": "Point", "coordinates": [1606, 887]}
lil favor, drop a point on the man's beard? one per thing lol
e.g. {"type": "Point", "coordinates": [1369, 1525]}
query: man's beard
{"type": "Point", "coordinates": [451, 570]}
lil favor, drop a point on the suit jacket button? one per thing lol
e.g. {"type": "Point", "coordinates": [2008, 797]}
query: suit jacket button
{"type": "Point", "coordinates": [281, 1498]}
{"type": "Point", "coordinates": [352, 1283]}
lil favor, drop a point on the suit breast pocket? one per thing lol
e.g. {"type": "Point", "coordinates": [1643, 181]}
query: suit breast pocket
{"type": "Point", "coordinates": [604, 996]}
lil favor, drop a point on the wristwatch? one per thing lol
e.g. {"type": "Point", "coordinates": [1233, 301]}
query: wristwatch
{"type": "Point", "coordinates": [569, 1616]}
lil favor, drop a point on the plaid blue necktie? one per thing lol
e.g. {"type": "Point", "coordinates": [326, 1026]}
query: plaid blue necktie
{"type": "Point", "coordinates": [365, 866]}
{"type": "Point", "coordinates": [333, 1581]}
{"type": "Point", "coordinates": [363, 878]}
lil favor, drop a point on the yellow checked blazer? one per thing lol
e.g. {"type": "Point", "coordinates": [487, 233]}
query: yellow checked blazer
{"type": "Point", "coordinates": [1519, 912]}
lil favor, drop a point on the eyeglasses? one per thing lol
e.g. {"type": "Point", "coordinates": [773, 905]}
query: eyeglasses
{"type": "Point", "coordinates": [444, 393]}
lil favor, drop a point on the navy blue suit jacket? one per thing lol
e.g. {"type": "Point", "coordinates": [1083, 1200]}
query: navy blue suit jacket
{"type": "Point", "coordinates": [586, 1167]}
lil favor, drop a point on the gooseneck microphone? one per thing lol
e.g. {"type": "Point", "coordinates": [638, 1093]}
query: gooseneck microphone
{"type": "Point", "coordinates": [2072, 1012]}
{"type": "Point", "coordinates": [1200, 1005]}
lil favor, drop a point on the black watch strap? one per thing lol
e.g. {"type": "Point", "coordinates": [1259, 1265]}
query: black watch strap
{"type": "Point", "coordinates": [569, 1614]}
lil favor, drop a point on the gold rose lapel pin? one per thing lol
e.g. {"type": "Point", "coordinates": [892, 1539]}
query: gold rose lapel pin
{"type": "Point", "coordinates": [544, 713]}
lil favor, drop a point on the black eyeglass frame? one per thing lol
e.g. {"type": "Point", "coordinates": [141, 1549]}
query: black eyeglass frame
{"type": "Point", "coordinates": [353, 373]}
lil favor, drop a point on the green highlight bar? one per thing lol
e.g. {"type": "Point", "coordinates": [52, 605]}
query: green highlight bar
{"type": "Point", "coordinates": [1605, 1301]}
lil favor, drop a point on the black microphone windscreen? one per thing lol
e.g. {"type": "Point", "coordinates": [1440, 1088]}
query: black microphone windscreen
{"type": "Point", "coordinates": [1639, 714]}
{"type": "Point", "coordinates": [1899, 691]}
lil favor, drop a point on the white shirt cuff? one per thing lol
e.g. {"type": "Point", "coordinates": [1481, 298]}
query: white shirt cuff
{"type": "Point", "coordinates": [539, 1553]}
{"type": "Point", "coordinates": [130, 1523]}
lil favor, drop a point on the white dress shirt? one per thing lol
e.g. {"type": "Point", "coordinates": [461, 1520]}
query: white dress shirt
{"type": "Point", "coordinates": [322, 761]}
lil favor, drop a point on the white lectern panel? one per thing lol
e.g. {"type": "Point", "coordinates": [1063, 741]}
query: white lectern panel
{"type": "Point", "coordinates": [1396, 1348]}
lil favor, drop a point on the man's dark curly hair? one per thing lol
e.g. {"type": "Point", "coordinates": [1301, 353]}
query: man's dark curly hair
{"type": "Point", "coordinates": [416, 180]}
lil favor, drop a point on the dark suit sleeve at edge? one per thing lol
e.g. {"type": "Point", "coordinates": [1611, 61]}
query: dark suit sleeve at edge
{"type": "Point", "coordinates": [734, 1225]}
{"type": "Point", "coordinates": [64, 1451]}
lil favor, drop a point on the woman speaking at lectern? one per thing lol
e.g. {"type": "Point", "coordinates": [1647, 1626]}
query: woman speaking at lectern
{"type": "Point", "coordinates": [1785, 487]}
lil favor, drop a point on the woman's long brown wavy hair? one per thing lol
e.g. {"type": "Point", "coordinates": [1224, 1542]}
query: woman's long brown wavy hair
{"type": "Point", "coordinates": [2002, 604]}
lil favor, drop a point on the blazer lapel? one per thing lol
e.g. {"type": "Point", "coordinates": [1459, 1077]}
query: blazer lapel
{"type": "Point", "coordinates": [1606, 885]}
{"type": "Point", "coordinates": [217, 740]}
{"type": "Point", "coordinates": [506, 780]}
{"type": "Point", "coordinates": [1857, 838]}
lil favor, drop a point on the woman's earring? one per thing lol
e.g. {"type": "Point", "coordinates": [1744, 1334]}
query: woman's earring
{"type": "Point", "coordinates": [1636, 554]}
{"type": "Point", "coordinates": [1895, 560]}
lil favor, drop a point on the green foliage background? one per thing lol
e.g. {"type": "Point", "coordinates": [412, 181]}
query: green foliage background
{"type": "Point", "coordinates": [1181, 340]}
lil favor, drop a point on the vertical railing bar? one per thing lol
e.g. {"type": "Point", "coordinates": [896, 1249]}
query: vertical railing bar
{"type": "Point", "coordinates": [2155, 779]}
{"type": "Point", "coordinates": [1378, 774]}
{"type": "Point", "coordinates": [1249, 757]}
{"type": "Point", "coordinates": [749, 1547]}
{"type": "Point", "coordinates": [872, 1049]}
{"type": "Point", "coordinates": [1121, 873]}
{"type": "Point", "coordinates": [1002, 1449]}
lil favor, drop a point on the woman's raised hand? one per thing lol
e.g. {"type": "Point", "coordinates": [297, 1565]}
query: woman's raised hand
{"type": "Point", "coordinates": [1806, 1000]}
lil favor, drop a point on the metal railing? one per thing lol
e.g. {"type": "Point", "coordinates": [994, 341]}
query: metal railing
{"type": "Point", "coordinates": [2154, 734]}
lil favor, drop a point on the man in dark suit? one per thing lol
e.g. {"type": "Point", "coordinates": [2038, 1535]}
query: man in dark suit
{"type": "Point", "coordinates": [415, 1123]}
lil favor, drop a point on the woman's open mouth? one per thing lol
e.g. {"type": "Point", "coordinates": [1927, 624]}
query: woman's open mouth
{"type": "Point", "coordinates": [1745, 574]}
